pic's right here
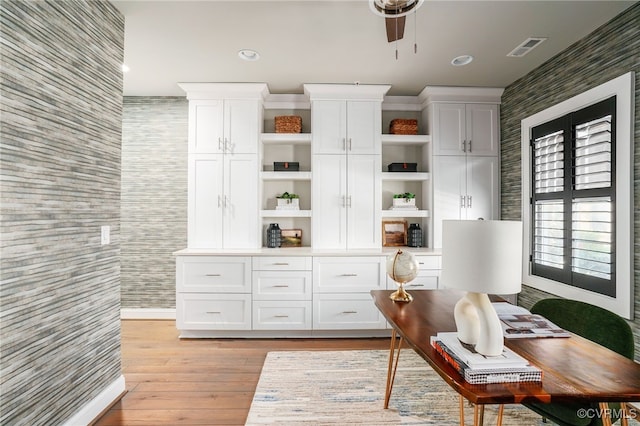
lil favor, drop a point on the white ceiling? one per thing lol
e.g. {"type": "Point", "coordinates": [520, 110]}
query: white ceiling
{"type": "Point", "coordinates": [333, 41]}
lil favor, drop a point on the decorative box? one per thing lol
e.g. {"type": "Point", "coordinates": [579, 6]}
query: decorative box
{"type": "Point", "coordinates": [288, 124]}
{"type": "Point", "coordinates": [403, 126]}
{"type": "Point", "coordinates": [404, 202]}
{"type": "Point", "coordinates": [286, 166]}
{"type": "Point", "coordinates": [288, 204]}
{"type": "Point", "coordinates": [403, 167]}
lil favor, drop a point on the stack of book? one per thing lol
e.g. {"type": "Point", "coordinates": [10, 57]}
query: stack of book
{"type": "Point", "coordinates": [480, 369]}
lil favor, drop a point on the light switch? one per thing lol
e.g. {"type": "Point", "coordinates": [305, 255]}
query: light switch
{"type": "Point", "coordinates": [105, 234]}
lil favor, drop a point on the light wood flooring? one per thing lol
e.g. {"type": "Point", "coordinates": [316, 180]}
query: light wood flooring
{"type": "Point", "coordinates": [197, 381]}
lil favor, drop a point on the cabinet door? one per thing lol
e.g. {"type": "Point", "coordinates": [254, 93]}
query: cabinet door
{"type": "Point", "coordinates": [364, 127]}
{"type": "Point", "coordinates": [206, 126]}
{"type": "Point", "coordinates": [449, 190]}
{"type": "Point", "coordinates": [241, 224]}
{"type": "Point", "coordinates": [363, 201]}
{"type": "Point", "coordinates": [329, 219]}
{"type": "Point", "coordinates": [242, 126]}
{"type": "Point", "coordinates": [483, 191]}
{"type": "Point", "coordinates": [328, 127]}
{"type": "Point", "coordinates": [482, 129]}
{"type": "Point", "coordinates": [206, 200]}
{"type": "Point", "coordinates": [449, 129]}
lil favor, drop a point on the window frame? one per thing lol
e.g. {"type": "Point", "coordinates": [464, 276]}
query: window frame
{"type": "Point", "coordinates": [623, 89]}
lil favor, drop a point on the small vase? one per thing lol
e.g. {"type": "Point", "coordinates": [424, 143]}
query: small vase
{"type": "Point", "coordinates": [414, 235]}
{"type": "Point", "coordinates": [274, 236]}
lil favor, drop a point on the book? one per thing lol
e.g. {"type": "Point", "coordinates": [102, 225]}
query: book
{"type": "Point", "coordinates": [518, 323]}
{"type": "Point", "coordinates": [473, 359]}
{"type": "Point", "coordinates": [527, 373]}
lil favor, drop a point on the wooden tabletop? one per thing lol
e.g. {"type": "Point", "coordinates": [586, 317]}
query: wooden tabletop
{"type": "Point", "coordinates": [574, 369]}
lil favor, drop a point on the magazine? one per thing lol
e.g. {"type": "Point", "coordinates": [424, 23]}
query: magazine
{"type": "Point", "coordinates": [518, 323]}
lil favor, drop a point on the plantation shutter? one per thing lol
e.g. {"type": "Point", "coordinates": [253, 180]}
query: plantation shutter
{"type": "Point", "coordinates": [573, 198]}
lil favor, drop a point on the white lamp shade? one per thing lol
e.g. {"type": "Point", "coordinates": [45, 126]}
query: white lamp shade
{"type": "Point", "coordinates": [482, 256]}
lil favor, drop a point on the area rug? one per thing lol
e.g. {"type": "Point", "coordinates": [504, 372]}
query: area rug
{"type": "Point", "coordinates": [347, 387]}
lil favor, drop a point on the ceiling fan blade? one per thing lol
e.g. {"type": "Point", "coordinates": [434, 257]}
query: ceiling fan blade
{"type": "Point", "coordinates": [395, 28]}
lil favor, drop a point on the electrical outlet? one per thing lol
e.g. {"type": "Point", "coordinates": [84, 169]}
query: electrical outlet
{"type": "Point", "coordinates": [105, 234]}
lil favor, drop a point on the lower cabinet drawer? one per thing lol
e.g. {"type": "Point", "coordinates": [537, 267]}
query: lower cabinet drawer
{"type": "Point", "coordinates": [202, 311]}
{"type": "Point", "coordinates": [345, 311]}
{"type": "Point", "coordinates": [426, 280]}
{"type": "Point", "coordinates": [282, 285]}
{"type": "Point", "coordinates": [348, 274]}
{"type": "Point", "coordinates": [429, 262]}
{"type": "Point", "coordinates": [216, 274]}
{"type": "Point", "coordinates": [290, 315]}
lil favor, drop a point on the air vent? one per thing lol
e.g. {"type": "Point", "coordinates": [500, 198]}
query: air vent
{"type": "Point", "coordinates": [526, 46]}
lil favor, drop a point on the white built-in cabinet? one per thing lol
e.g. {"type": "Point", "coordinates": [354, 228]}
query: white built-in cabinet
{"type": "Point", "coordinates": [464, 126]}
{"type": "Point", "coordinates": [221, 213]}
{"type": "Point", "coordinates": [346, 123]}
{"type": "Point", "coordinates": [225, 122]}
{"type": "Point", "coordinates": [228, 284]}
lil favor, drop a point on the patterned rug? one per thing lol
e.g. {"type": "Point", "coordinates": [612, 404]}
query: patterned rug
{"type": "Point", "coordinates": [347, 387]}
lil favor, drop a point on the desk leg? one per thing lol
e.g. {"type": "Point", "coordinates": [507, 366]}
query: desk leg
{"type": "Point", "coordinates": [478, 414]}
{"type": "Point", "coordinates": [461, 399]}
{"type": "Point", "coordinates": [394, 352]}
{"type": "Point", "coordinates": [604, 412]}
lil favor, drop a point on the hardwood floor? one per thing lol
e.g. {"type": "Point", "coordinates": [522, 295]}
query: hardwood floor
{"type": "Point", "coordinates": [197, 381]}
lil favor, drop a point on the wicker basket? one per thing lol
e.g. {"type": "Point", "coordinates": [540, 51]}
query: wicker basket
{"type": "Point", "coordinates": [402, 126]}
{"type": "Point", "coordinates": [288, 124]}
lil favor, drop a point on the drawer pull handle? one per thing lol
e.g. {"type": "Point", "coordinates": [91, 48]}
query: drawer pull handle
{"type": "Point", "coordinates": [213, 275]}
{"type": "Point", "coordinates": [417, 285]}
{"type": "Point", "coordinates": [349, 312]}
{"type": "Point", "coordinates": [281, 316]}
{"type": "Point", "coordinates": [281, 286]}
{"type": "Point", "coordinates": [420, 263]}
{"type": "Point", "coordinates": [349, 275]}
{"type": "Point", "coordinates": [213, 312]}
{"type": "Point", "coordinates": [281, 263]}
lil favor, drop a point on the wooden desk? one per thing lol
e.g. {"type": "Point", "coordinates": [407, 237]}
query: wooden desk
{"type": "Point", "coordinates": [574, 369]}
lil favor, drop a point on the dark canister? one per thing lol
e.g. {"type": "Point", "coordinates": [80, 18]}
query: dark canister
{"type": "Point", "coordinates": [274, 236]}
{"type": "Point", "coordinates": [414, 235]}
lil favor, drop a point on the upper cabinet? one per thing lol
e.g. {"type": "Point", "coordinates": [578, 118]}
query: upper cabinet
{"type": "Point", "coordinates": [346, 119]}
{"type": "Point", "coordinates": [224, 118]}
{"type": "Point", "coordinates": [352, 127]}
{"type": "Point", "coordinates": [218, 126]}
{"type": "Point", "coordinates": [463, 120]}
{"type": "Point", "coordinates": [470, 129]}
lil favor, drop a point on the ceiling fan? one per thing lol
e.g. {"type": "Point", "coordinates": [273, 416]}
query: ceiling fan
{"type": "Point", "coordinates": [395, 13]}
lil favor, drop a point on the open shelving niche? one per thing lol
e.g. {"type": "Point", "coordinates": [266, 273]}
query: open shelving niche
{"type": "Point", "coordinates": [407, 149]}
{"type": "Point", "coordinates": [288, 147]}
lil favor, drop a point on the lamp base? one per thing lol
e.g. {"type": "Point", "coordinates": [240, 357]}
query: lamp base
{"type": "Point", "coordinates": [400, 295]}
{"type": "Point", "coordinates": [483, 324]}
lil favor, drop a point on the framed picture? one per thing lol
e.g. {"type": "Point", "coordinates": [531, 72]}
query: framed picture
{"type": "Point", "coordinates": [394, 233]}
{"type": "Point", "coordinates": [291, 237]}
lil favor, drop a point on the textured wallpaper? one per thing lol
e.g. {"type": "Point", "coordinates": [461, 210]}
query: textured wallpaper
{"type": "Point", "coordinates": [154, 198]}
{"type": "Point", "coordinates": [609, 52]}
{"type": "Point", "coordinates": [60, 135]}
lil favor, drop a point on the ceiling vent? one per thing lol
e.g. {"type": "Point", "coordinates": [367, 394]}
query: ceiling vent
{"type": "Point", "coordinates": [526, 46]}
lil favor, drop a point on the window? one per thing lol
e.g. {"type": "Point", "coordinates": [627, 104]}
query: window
{"type": "Point", "coordinates": [573, 196]}
{"type": "Point", "coordinates": [577, 187]}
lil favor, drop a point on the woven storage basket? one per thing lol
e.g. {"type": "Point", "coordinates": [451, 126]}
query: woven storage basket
{"type": "Point", "coordinates": [402, 126]}
{"type": "Point", "coordinates": [288, 124]}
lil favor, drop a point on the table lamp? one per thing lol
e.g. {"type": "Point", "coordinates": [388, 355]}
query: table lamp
{"type": "Point", "coordinates": [481, 257]}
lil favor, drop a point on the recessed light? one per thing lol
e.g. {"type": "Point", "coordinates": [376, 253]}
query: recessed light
{"type": "Point", "coordinates": [461, 60]}
{"type": "Point", "coordinates": [248, 55]}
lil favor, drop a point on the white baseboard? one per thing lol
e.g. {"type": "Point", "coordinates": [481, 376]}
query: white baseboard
{"type": "Point", "coordinates": [90, 412]}
{"type": "Point", "coordinates": [148, 313]}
